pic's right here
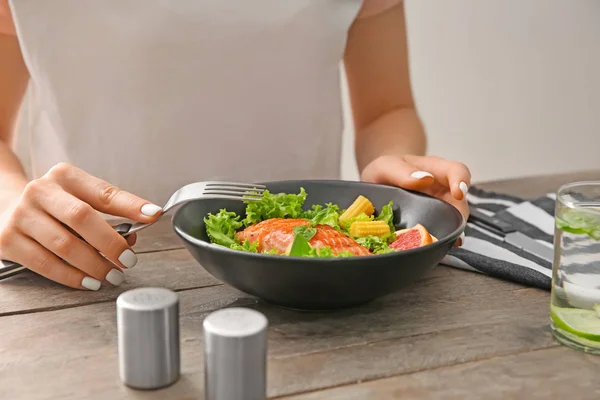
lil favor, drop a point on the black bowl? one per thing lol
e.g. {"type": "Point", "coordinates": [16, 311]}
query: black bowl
{"type": "Point", "coordinates": [330, 283]}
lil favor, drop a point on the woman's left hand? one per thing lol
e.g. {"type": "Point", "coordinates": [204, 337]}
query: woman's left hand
{"type": "Point", "coordinates": [444, 179]}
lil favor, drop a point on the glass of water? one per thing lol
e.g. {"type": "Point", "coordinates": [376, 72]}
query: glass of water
{"type": "Point", "coordinates": [575, 303]}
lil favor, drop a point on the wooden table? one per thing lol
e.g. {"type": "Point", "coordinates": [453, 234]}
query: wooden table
{"type": "Point", "coordinates": [454, 335]}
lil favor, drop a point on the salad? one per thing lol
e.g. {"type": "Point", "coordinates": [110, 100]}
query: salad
{"type": "Point", "coordinates": [279, 224]}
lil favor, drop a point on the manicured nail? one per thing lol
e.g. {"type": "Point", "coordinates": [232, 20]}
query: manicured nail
{"type": "Point", "coordinates": [421, 175]}
{"type": "Point", "coordinates": [150, 210]}
{"type": "Point", "coordinates": [91, 283]}
{"type": "Point", "coordinates": [464, 188]}
{"type": "Point", "coordinates": [461, 240]}
{"type": "Point", "coordinates": [128, 259]}
{"type": "Point", "coordinates": [115, 277]}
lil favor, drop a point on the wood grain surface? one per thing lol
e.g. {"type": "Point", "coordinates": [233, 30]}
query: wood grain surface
{"type": "Point", "coordinates": [450, 318]}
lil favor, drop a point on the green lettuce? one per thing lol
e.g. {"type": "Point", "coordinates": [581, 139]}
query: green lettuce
{"type": "Point", "coordinates": [320, 252]}
{"type": "Point", "coordinates": [221, 228]}
{"type": "Point", "coordinates": [387, 215]}
{"type": "Point", "coordinates": [327, 252]}
{"type": "Point", "coordinates": [310, 214]}
{"type": "Point", "coordinates": [328, 215]}
{"type": "Point", "coordinates": [272, 252]}
{"type": "Point", "coordinates": [279, 205]}
{"type": "Point", "coordinates": [300, 246]}
{"type": "Point", "coordinates": [251, 247]}
{"type": "Point", "coordinates": [377, 244]}
{"type": "Point", "coordinates": [306, 231]}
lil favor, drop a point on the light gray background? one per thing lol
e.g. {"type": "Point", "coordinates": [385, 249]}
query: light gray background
{"type": "Point", "coordinates": [510, 87]}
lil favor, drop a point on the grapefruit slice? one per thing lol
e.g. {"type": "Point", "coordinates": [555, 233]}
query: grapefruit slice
{"type": "Point", "coordinates": [411, 238]}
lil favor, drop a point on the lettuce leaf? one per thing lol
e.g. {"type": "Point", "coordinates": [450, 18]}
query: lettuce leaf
{"type": "Point", "coordinates": [272, 252]}
{"type": "Point", "coordinates": [306, 231]}
{"type": "Point", "coordinates": [221, 228]}
{"type": "Point", "coordinates": [248, 246]}
{"type": "Point", "coordinates": [387, 215]}
{"type": "Point", "coordinates": [377, 244]}
{"type": "Point", "coordinates": [328, 215]}
{"type": "Point", "coordinates": [279, 205]}
{"type": "Point", "coordinates": [313, 211]}
{"type": "Point", "coordinates": [300, 246]}
{"type": "Point", "coordinates": [327, 252]}
{"type": "Point", "coordinates": [319, 252]}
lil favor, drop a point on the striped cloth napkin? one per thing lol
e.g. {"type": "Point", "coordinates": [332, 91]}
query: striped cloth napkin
{"type": "Point", "coordinates": [484, 252]}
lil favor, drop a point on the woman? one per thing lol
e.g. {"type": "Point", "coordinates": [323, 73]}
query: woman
{"type": "Point", "coordinates": [148, 96]}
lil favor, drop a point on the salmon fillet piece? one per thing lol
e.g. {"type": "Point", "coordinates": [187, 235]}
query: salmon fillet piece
{"type": "Point", "coordinates": [276, 234]}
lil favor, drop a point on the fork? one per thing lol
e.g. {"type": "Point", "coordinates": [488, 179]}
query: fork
{"type": "Point", "coordinates": [194, 191]}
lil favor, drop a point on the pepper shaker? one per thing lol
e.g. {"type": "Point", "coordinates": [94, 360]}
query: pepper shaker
{"type": "Point", "coordinates": [235, 355]}
{"type": "Point", "coordinates": [148, 337]}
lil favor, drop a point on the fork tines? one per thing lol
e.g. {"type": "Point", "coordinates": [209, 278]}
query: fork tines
{"type": "Point", "coordinates": [243, 191]}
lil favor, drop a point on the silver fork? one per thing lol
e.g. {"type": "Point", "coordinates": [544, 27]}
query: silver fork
{"type": "Point", "coordinates": [191, 192]}
{"type": "Point", "coordinates": [206, 190]}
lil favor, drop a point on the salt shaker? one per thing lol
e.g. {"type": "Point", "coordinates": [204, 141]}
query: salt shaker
{"type": "Point", "coordinates": [235, 355]}
{"type": "Point", "coordinates": [148, 336]}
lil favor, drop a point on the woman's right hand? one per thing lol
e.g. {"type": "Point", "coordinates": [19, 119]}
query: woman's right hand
{"type": "Point", "coordinates": [37, 230]}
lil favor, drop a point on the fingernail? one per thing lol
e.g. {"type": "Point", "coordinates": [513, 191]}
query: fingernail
{"type": "Point", "coordinates": [421, 174]}
{"type": "Point", "coordinates": [115, 277]}
{"type": "Point", "coordinates": [150, 210]}
{"type": "Point", "coordinates": [91, 283]}
{"type": "Point", "coordinates": [464, 188]}
{"type": "Point", "coordinates": [461, 240]}
{"type": "Point", "coordinates": [128, 258]}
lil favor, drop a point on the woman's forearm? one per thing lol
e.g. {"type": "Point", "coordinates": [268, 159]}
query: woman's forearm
{"type": "Point", "coordinates": [13, 84]}
{"type": "Point", "coordinates": [377, 70]}
{"type": "Point", "coordinates": [12, 177]}
{"type": "Point", "coordinates": [397, 132]}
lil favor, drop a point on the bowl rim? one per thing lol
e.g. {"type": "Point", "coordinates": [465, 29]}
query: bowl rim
{"type": "Point", "coordinates": [221, 249]}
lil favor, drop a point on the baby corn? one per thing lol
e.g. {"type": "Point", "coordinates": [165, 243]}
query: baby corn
{"type": "Point", "coordinates": [368, 228]}
{"type": "Point", "coordinates": [361, 205]}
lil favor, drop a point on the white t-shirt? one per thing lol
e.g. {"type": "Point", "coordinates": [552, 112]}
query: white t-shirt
{"type": "Point", "coordinates": [151, 95]}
